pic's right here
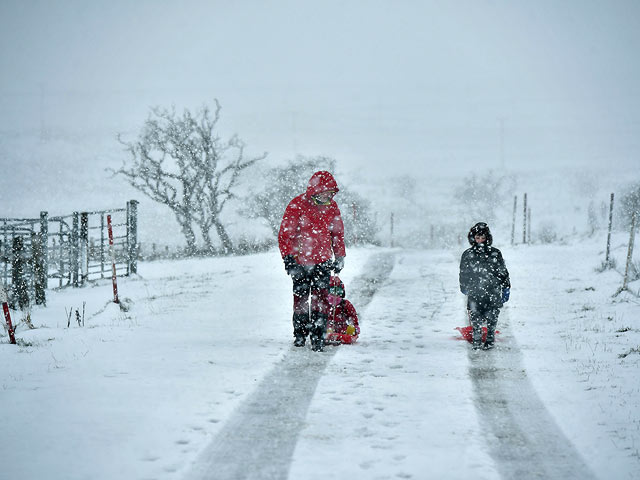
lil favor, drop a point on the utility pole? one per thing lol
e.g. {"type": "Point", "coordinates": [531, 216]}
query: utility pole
{"type": "Point", "coordinates": [606, 260]}
{"type": "Point", "coordinates": [391, 230]}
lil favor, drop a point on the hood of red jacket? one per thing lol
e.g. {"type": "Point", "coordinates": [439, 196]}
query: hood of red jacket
{"type": "Point", "coordinates": [336, 282]}
{"type": "Point", "coordinates": [321, 181]}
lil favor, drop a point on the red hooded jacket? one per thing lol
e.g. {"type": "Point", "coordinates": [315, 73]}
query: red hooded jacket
{"type": "Point", "coordinates": [312, 233]}
{"type": "Point", "coordinates": [343, 315]}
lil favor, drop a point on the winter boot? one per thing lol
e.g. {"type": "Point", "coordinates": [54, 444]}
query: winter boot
{"type": "Point", "coordinates": [491, 336]}
{"type": "Point", "coordinates": [318, 328]}
{"type": "Point", "coordinates": [476, 344]}
{"type": "Point", "coordinates": [300, 328]}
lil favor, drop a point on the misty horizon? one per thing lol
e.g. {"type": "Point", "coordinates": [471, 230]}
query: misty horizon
{"type": "Point", "coordinates": [394, 86]}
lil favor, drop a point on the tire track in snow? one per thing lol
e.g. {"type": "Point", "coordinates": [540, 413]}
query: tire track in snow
{"type": "Point", "coordinates": [259, 439]}
{"type": "Point", "coordinates": [527, 442]}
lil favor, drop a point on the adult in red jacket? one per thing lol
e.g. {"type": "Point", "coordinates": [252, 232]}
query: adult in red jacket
{"type": "Point", "coordinates": [343, 326]}
{"type": "Point", "coordinates": [311, 235]}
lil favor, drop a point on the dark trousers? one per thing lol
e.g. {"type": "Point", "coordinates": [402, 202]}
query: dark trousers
{"type": "Point", "coordinates": [479, 313]}
{"type": "Point", "coordinates": [310, 305]}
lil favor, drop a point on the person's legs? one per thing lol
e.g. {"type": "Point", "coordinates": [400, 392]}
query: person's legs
{"type": "Point", "coordinates": [492, 321]}
{"type": "Point", "coordinates": [476, 320]}
{"type": "Point", "coordinates": [319, 305]}
{"type": "Point", "coordinates": [301, 291]}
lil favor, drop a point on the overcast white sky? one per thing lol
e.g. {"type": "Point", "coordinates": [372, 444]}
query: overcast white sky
{"type": "Point", "coordinates": [383, 84]}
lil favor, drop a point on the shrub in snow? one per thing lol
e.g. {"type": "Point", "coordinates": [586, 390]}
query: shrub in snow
{"type": "Point", "coordinates": [547, 232]}
{"type": "Point", "coordinates": [630, 203]}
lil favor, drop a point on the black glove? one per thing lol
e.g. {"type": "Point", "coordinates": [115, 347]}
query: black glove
{"type": "Point", "coordinates": [289, 263]}
{"type": "Point", "coordinates": [338, 265]}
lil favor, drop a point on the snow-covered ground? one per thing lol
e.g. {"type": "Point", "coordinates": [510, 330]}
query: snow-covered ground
{"type": "Point", "coordinates": [203, 360]}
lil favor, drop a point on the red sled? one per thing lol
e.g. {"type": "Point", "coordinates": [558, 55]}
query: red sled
{"type": "Point", "coordinates": [467, 333]}
{"type": "Point", "coordinates": [340, 338]}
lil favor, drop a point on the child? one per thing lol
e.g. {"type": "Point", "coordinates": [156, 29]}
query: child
{"type": "Point", "coordinates": [484, 278]}
{"type": "Point", "coordinates": [342, 326]}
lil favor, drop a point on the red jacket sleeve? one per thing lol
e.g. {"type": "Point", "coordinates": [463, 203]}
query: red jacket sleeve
{"type": "Point", "coordinates": [289, 228]}
{"type": "Point", "coordinates": [337, 235]}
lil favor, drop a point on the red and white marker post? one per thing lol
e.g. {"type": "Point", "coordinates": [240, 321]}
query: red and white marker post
{"type": "Point", "coordinates": [7, 316]}
{"type": "Point", "coordinates": [113, 261]}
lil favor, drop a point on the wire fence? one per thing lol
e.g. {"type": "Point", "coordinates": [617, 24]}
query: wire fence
{"type": "Point", "coordinates": [55, 252]}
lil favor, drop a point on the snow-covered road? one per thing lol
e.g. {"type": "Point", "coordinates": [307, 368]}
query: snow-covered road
{"type": "Point", "coordinates": [406, 395]}
{"type": "Point", "coordinates": [199, 378]}
{"type": "Point", "coordinates": [522, 437]}
{"type": "Point", "coordinates": [259, 439]}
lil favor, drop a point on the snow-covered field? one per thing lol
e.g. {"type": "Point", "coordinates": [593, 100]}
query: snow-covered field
{"type": "Point", "coordinates": [158, 391]}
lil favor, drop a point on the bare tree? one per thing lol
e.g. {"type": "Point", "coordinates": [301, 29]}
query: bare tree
{"type": "Point", "coordinates": [181, 162]}
{"type": "Point", "coordinates": [220, 165]}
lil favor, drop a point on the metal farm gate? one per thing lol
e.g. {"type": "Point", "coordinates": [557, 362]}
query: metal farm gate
{"type": "Point", "coordinates": [55, 252]}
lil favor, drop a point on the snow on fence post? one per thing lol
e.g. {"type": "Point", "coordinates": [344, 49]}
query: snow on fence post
{"type": "Point", "coordinates": [113, 261]}
{"type": "Point", "coordinates": [132, 236]}
{"type": "Point", "coordinates": [513, 224]}
{"type": "Point", "coordinates": [74, 260]}
{"type": "Point", "coordinates": [61, 254]}
{"type": "Point", "coordinates": [84, 247]}
{"type": "Point", "coordinates": [44, 237]}
{"type": "Point", "coordinates": [7, 315]}
{"type": "Point", "coordinates": [19, 283]}
{"type": "Point", "coordinates": [529, 225]}
{"type": "Point", "coordinates": [606, 259]}
{"type": "Point", "coordinates": [5, 249]}
{"type": "Point", "coordinates": [102, 245]}
{"type": "Point", "coordinates": [630, 251]}
{"type": "Point", "coordinates": [39, 272]}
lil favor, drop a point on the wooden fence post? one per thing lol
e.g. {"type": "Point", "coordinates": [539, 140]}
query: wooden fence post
{"type": "Point", "coordinates": [132, 236]}
{"type": "Point", "coordinates": [113, 261]}
{"type": "Point", "coordinates": [44, 238]}
{"type": "Point", "coordinates": [61, 255]}
{"type": "Point", "coordinates": [7, 315]}
{"type": "Point", "coordinates": [19, 283]}
{"type": "Point", "coordinates": [84, 247]}
{"type": "Point", "coordinates": [630, 251]}
{"type": "Point", "coordinates": [606, 259]}
{"type": "Point", "coordinates": [391, 230]}
{"type": "Point", "coordinates": [524, 220]}
{"type": "Point", "coordinates": [39, 272]}
{"type": "Point", "coordinates": [102, 240]}
{"type": "Point", "coordinates": [74, 251]}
